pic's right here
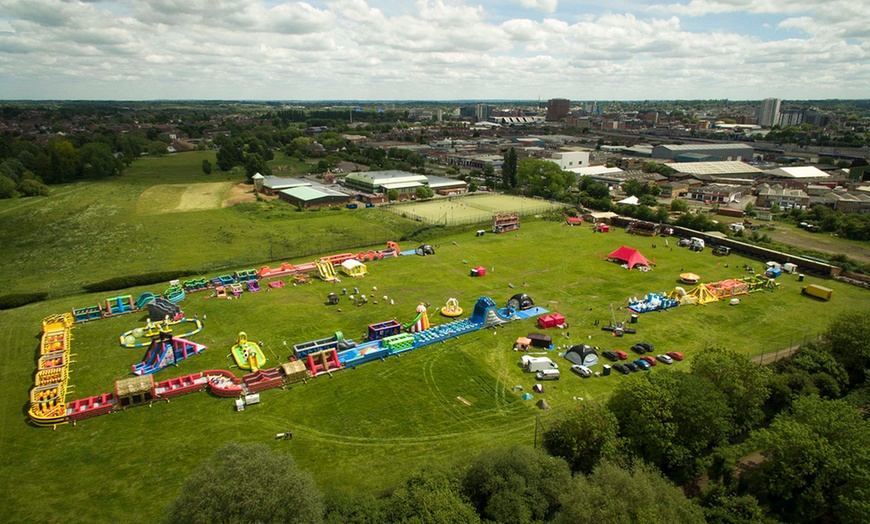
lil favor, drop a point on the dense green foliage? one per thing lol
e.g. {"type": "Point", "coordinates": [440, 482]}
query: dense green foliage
{"type": "Point", "coordinates": [247, 483]}
{"type": "Point", "coordinates": [583, 437]}
{"type": "Point", "coordinates": [817, 465]}
{"type": "Point", "coordinates": [613, 494]}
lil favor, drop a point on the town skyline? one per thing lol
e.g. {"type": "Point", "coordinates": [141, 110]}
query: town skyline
{"type": "Point", "coordinates": [436, 50]}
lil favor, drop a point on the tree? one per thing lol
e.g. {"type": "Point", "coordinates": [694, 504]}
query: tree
{"type": "Point", "coordinates": [816, 360]}
{"type": "Point", "coordinates": [509, 169]}
{"type": "Point", "coordinates": [516, 485]}
{"type": "Point", "coordinates": [157, 148]}
{"type": "Point", "coordinates": [749, 210]}
{"type": "Point", "coordinates": [634, 494]}
{"type": "Point", "coordinates": [679, 205]}
{"type": "Point", "coordinates": [392, 194]}
{"type": "Point", "coordinates": [431, 497]}
{"type": "Point", "coordinates": [848, 339]}
{"type": "Point", "coordinates": [583, 437]}
{"type": "Point", "coordinates": [247, 483]}
{"type": "Point", "coordinates": [744, 384]}
{"type": "Point", "coordinates": [7, 187]}
{"type": "Point", "coordinates": [254, 163]}
{"type": "Point", "coordinates": [32, 187]}
{"type": "Point", "coordinates": [206, 166]}
{"type": "Point", "coordinates": [97, 161]}
{"type": "Point", "coordinates": [543, 178]}
{"type": "Point", "coordinates": [424, 193]}
{"type": "Point", "coordinates": [817, 463]}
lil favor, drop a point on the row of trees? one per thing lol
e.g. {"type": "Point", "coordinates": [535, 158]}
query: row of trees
{"type": "Point", "coordinates": [519, 485]}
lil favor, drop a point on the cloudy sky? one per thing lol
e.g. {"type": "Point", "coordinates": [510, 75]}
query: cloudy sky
{"type": "Point", "coordinates": [434, 49]}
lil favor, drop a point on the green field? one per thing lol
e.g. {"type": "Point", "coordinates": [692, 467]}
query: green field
{"type": "Point", "coordinates": [363, 430]}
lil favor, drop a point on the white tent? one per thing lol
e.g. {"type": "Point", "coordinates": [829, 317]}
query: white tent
{"type": "Point", "coordinates": [632, 200]}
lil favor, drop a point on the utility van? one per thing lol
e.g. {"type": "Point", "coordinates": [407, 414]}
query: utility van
{"type": "Point", "coordinates": [533, 364]}
{"type": "Point", "coordinates": [547, 374]}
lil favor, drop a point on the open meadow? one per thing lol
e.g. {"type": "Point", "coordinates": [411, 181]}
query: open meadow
{"type": "Point", "coordinates": [363, 430]}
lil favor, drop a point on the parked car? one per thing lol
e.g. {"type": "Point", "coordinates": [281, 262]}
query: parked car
{"type": "Point", "coordinates": [622, 355]}
{"type": "Point", "coordinates": [676, 355]}
{"type": "Point", "coordinates": [642, 364]}
{"type": "Point", "coordinates": [649, 347]}
{"type": "Point", "coordinates": [547, 374]}
{"type": "Point", "coordinates": [610, 355]}
{"type": "Point", "coordinates": [649, 359]}
{"type": "Point", "coordinates": [622, 368]}
{"type": "Point", "coordinates": [684, 242]}
{"type": "Point", "coordinates": [637, 348]}
{"type": "Point", "coordinates": [583, 371]}
{"type": "Point", "coordinates": [664, 359]}
{"type": "Point", "coordinates": [632, 366]}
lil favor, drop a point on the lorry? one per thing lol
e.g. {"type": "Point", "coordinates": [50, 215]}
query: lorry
{"type": "Point", "coordinates": [534, 364]}
{"type": "Point", "coordinates": [815, 290]}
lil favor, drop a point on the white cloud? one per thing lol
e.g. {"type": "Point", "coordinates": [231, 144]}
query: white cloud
{"type": "Point", "coordinates": [545, 6]}
{"type": "Point", "coordinates": [440, 49]}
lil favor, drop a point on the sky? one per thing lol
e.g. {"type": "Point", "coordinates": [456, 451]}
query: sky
{"type": "Point", "coordinates": [434, 49]}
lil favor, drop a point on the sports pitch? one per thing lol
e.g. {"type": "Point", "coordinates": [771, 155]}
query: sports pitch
{"type": "Point", "coordinates": [470, 209]}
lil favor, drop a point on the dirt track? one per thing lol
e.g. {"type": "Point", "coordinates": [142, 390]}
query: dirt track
{"type": "Point", "coordinates": [774, 356]}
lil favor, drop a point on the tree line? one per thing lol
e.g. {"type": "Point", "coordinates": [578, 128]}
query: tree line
{"type": "Point", "coordinates": [729, 442]}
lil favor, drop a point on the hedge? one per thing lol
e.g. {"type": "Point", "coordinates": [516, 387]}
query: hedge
{"type": "Point", "coordinates": [19, 299]}
{"type": "Point", "coordinates": [144, 279]}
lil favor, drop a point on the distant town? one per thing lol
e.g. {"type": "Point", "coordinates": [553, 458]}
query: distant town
{"type": "Point", "coordinates": [768, 153]}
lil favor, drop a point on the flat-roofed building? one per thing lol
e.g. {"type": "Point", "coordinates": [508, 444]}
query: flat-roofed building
{"type": "Point", "coordinates": [313, 196]}
{"type": "Point", "coordinates": [709, 152]}
{"type": "Point", "coordinates": [784, 197]}
{"type": "Point", "coordinates": [718, 169]}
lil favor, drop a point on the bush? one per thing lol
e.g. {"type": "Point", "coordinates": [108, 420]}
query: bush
{"type": "Point", "coordinates": [20, 299]}
{"type": "Point", "coordinates": [144, 279]}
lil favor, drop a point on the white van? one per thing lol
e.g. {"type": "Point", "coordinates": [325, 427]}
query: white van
{"type": "Point", "coordinates": [547, 374]}
{"type": "Point", "coordinates": [533, 364]}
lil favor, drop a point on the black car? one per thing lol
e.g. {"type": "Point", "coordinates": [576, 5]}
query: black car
{"type": "Point", "coordinates": [637, 348]}
{"type": "Point", "coordinates": [610, 355]}
{"type": "Point", "coordinates": [647, 346]}
{"type": "Point", "coordinates": [632, 366]}
{"type": "Point", "coordinates": [621, 368]}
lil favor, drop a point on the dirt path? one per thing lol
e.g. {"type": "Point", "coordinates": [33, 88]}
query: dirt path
{"type": "Point", "coordinates": [769, 358]}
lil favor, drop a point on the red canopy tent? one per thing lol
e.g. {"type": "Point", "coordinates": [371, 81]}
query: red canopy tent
{"type": "Point", "coordinates": [630, 256]}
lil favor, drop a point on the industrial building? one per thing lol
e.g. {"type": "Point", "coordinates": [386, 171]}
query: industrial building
{"type": "Point", "coordinates": [703, 152]}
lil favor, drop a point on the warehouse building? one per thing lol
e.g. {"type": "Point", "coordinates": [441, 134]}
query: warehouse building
{"type": "Point", "coordinates": [703, 152]}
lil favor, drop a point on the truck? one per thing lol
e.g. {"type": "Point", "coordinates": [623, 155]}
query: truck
{"type": "Point", "coordinates": [815, 290]}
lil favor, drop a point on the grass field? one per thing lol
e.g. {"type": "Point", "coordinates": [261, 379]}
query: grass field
{"type": "Point", "coordinates": [363, 430]}
{"type": "Point", "coordinates": [477, 208]}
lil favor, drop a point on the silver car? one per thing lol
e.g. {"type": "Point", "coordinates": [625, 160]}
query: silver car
{"type": "Point", "coordinates": [664, 359]}
{"type": "Point", "coordinates": [583, 371]}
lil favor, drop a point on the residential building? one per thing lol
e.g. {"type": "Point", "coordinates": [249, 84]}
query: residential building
{"type": "Point", "coordinates": [570, 159]}
{"type": "Point", "coordinates": [768, 112]}
{"type": "Point", "coordinates": [784, 197]}
{"type": "Point", "coordinates": [718, 193]}
{"type": "Point", "coordinates": [557, 109]}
